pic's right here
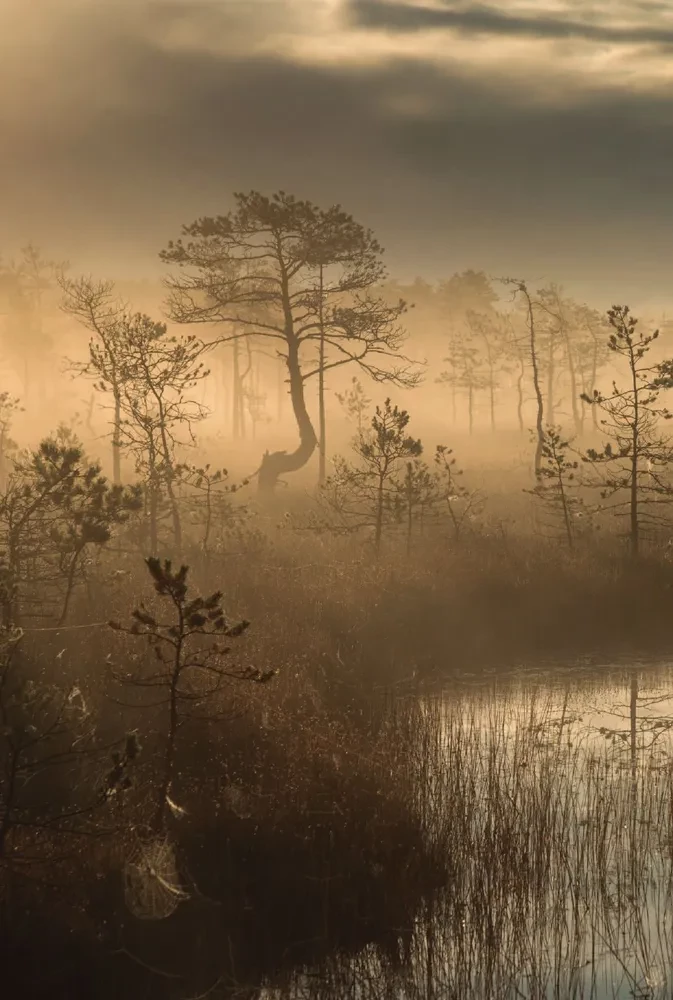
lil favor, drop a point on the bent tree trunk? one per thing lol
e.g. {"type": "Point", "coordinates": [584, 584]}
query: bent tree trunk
{"type": "Point", "coordinates": [278, 463]}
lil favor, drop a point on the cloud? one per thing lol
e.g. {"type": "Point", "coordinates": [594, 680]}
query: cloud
{"type": "Point", "coordinates": [481, 19]}
{"type": "Point", "coordinates": [128, 120]}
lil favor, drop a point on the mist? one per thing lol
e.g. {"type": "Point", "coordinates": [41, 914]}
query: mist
{"type": "Point", "coordinates": [336, 499]}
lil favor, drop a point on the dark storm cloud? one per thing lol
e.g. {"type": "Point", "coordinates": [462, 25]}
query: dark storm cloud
{"type": "Point", "coordinates": [478, 18]}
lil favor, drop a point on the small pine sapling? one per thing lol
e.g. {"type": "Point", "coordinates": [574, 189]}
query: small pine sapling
{"type": "Point", "coordinates": [631, 471]}
{"type": "Point", "coordinates": [362, 494]}
{"type": "Point", "coordinates": [417, 493]}
{"type": "Point", "coordinates": [55, 506]}
{"type": "Point", "coordinates": [209, 499]}
{"type": "Point", "coordinates": [190, 650]}
{"type": "Point", "coordinates": [557, 479]}
{"type": "Point", "coordinates": [463, 505]}
{"type": "Point", "coordinates": [355, 403]}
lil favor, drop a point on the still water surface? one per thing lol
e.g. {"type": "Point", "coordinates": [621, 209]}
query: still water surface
{"type": "Point", "coordinates": [558, 785]}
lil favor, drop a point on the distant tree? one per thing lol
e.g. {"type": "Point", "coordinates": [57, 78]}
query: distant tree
{"type": "Point", "coordinates": [592, 353]}
{"type": "Point", "coordinates": [285, 270]}
{"type": "Point", "coordinates": [515, 362]}
{"type": "Point", "coordinates": [355, 403]}
{"type": "Point", "coordinates": [95, 305]}
{"type": "Point", "coordinates": [25, 282]}
{"type": "Point", "coordinates": [489, 331]}
{"type": "Point", "coordinates": [465, 373]}
{"type": "Point", "coordinates": [632, 468]}
{"type": "Point", "coordinates": [469, 291]}
{"type": "Point", "coordinates": [521, 288]}
{"type": "Point", "coordinates": [554, 315]}
{"type": "Point", "coordinates": [462, 296]}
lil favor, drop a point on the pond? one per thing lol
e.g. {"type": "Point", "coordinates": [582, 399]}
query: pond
{"type": "Point", "coordinates": [551, 792]}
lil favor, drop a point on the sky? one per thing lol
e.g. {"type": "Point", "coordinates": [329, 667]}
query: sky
{"type": "Point", "coordinates": [532, 139]}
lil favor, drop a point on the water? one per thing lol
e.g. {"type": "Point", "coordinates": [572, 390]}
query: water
{"type": "Point", "coordinates": [551, 792]}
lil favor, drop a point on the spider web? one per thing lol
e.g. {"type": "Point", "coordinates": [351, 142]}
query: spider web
{"type": "Point", "coordinates": [152, 889]}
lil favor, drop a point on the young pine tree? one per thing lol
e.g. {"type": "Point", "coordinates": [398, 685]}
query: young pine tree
{"type": "Point", "coordinates": [417, 494]}
{"type": "Point", "coordinates": [461, 503]}
{"type": "Point", "coordinates": [556, 481]}
{"type": "Point", "coordinates": [362, 493]}
{"type": "Point", "coordinates": [190, 648]}
{"type": "Point", "coordinates": [55, 506]}
{"type": "Point", "coordinates": [631, 470]}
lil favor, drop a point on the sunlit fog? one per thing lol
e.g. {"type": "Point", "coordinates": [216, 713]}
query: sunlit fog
{"type": "Point", "coordinates": [336, 500]}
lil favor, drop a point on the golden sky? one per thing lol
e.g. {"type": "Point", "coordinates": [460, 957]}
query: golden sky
{"type": "Point", "coordinates": [468, 134]}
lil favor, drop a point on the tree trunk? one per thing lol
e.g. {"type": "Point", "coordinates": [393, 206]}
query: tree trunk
{"type": "Point", "coordinates": [153, 505]}
{"type": "Point", "coordinates": [539, 420]}
{"type": "Point", "coordinates": [550, 382]}
{"type": "Point", "coordinates": [492, 395]}
{"type": "Point", "coordinates": [70, 584]}
{"type": "Point", "coordinates": [566, 511]}
{"type": "Point", "coordinates": [378, 527]}
{"type": "Point", "coordinates": [594, 374]}
{"type": "Point", "coordinates": [168, 762]}
{"type": "Point", "coordinates": [635, 454]}
{"type": "Point", "coordinates": [3, 470]}
{"type": "Point", "coordinates": [237, 416]}
{"type": "Point", "coordinates": [574, 395]}
{"type": "Point", "coordinates": [280, 390]}
{"type": "Point", "coordinates": [116, 442]}
{"type": "Point", "coordinates": [277, 463]}
{"type": "Point", "coordinates": [519, 397]}
{"type": "Point", "coordinates": [322, 468]}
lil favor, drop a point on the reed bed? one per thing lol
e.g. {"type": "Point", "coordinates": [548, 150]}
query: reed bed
{"type": "Point", "coordinates": [559, 845]}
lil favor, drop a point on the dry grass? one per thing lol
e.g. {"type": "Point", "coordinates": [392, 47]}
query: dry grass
{"type": "Point", "coordinates": [327, 809]}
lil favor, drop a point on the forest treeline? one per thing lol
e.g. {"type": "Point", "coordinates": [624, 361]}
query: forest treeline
{"type": "Point", "coordinates": [270, 307]}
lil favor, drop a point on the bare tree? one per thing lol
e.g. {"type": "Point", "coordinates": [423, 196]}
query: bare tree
{"type": "Point", "coordinates": [158, 411]}
{"type": "Point", "coordinates": [150, 375]}
{"type": "Point", "coordinates": [95, 305]}
{"type": "Point", "coordinates": [522, 288]}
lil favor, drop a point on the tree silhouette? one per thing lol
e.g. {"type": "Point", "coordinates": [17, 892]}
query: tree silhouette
{"type": "Point", "coordinates": [556, 481]}
{"type": "Point", "coordinates": [285, 270]}
{"type": "Point", "coordinates": [190, 651]}
{"type": "Point", "coordinates": [362, 494]}
{"type": "Point", "coordinates": [632, 467]}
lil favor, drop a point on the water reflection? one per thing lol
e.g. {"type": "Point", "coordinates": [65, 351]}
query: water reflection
{"type": "Point", "coordinates": [551, 792]}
